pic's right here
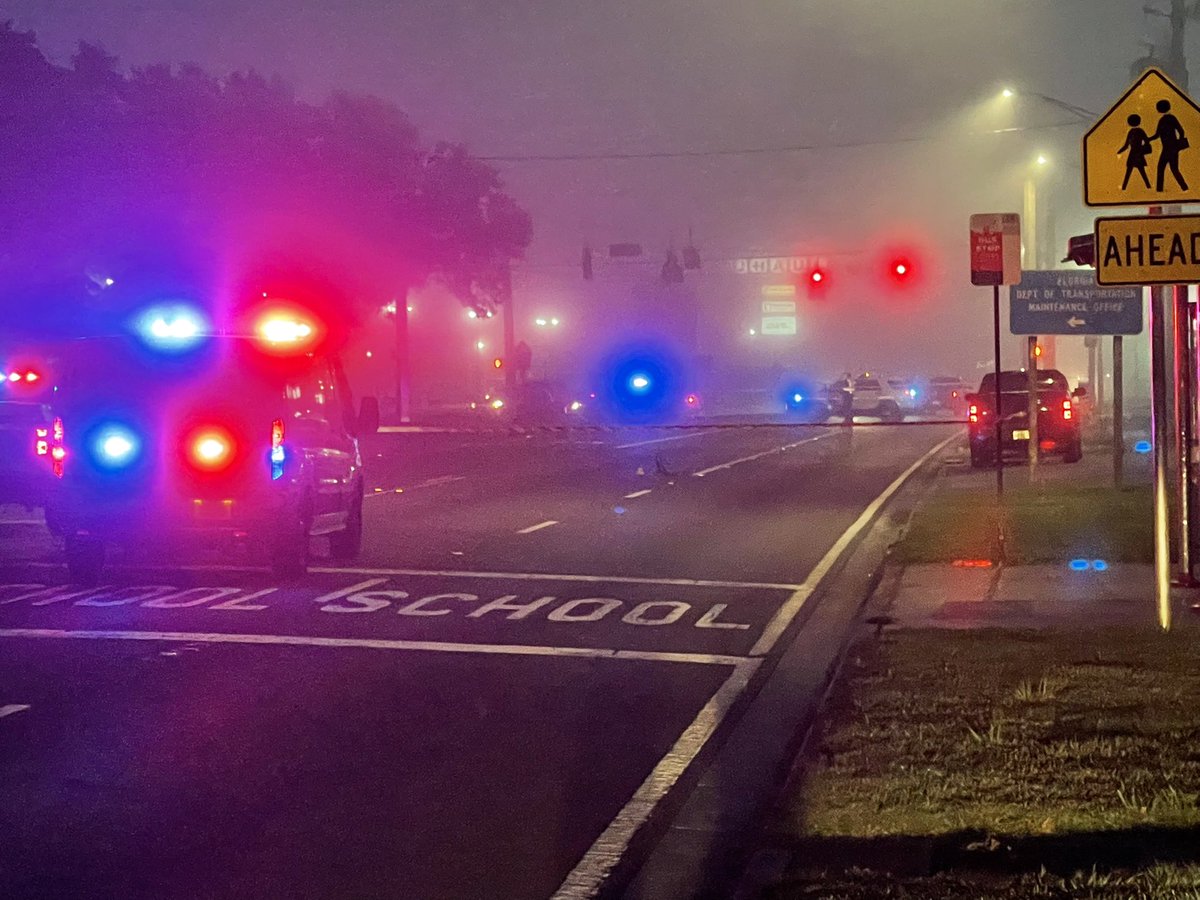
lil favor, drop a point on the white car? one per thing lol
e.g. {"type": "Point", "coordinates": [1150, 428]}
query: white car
{"type": "Point", "coordinates": [873, 396]}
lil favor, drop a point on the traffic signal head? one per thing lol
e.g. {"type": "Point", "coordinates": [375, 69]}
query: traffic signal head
{"type": "Point", "coordinates": [816, 281]}
{"type": "Point", "coordinates": [900, 269]}
{"type": "Point", "coordinates": [497, 363]}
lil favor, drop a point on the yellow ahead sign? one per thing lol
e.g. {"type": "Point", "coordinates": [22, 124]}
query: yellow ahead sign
{"type": "Point", "coordinates": [1148, 250]}
{"type": "Point", "coordinates": [1146, 149]}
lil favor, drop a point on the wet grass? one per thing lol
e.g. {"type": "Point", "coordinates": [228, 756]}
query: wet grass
{"type": "Point", "coordinates": [1024, 753]}
{"type": "Point", "coordinates": [1041, 525]}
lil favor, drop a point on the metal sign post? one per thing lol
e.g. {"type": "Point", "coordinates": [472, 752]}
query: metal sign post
{"type": "Point", "coordinates": [1118, 410]}
{"type": "Point", "coordinates": [999, 418]}
{"type": "Point", "coordinates": [1158, 435]}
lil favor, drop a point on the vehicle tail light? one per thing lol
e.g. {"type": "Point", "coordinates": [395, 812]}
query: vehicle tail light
{"type": "Point", "coordinates": [973, 413]}
{"type": "Point", "coordinates": [42, 436]}
{"type": "Point", "coordinates": [1067, 411]}
{"type": "Point", "coordinates": [211, 449]}
{"type": "Point", "coordinates": [58, 452]}
{"type": "Point", "coordinates": [278, 454]}
{"type": "Point", "coordinates": [691, 399]}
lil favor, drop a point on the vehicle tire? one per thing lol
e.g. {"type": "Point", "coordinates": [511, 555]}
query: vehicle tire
{"type": "Point", "coordinates": [347, 543]}
{"type": "Point", "coordinates": [982, 460]}
{"type": "Point", "coordinates": [891, 412]}
{"type": "Point", "coordinates": [1074, 453]}
{"type": "Point", "coordinates": [85, 558]}
{"type": "Point", "coordinates": [289, 548]}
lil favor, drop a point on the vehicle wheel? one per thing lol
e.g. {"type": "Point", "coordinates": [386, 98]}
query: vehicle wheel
{"type": "Point", "coordinates": [346, 544]}
{"type": "Point", "coordinates": [85, 558]}
{"type": "Point", "coordinates": [289, 549]}
{"type": "Point", "coordinates": [981, 460]}
{"type": "Point", "coordinates": [1075, 452]}
{"type": "Point", "coordinates": [891, 412]}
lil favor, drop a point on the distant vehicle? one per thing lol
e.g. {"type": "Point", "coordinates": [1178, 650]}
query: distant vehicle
{"type": "Point", "coordinates": [239, 440]}
{"type": "Point", "coordinates": [31, 450]}
{"type": "Point", "coordinates": [871, 395]}
{"type": "Point", "coordinates": [535, 403]}
{"type": "Point", "coordinates": [907, 392]}
{"type": "Point", "coordinates": [946, 393]}
{"type": "Point", "coordinates": [808, 403]}
{"type": "Point", "coordinates": [1057, 422]}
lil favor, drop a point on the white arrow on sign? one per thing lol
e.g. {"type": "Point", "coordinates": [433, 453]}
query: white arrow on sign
{"type": "Point", "coordinates": [1075, 323]}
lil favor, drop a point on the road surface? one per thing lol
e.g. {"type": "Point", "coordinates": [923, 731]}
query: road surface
{"type": "Point", "coordinates": [539, 640]}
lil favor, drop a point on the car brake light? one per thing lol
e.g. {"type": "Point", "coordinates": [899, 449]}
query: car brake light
{"type": "Point", "coordinates": [57, 452]}
{"type": "Point", "coordinates": [211, 449]}
{"type": "Point", "coordinates": [973, 411]}
{"type": "Point", "coordinates": [1068, 412]}
{"type": "Point", "coordinates": [278, 454]}
{"type": "Point", "coordinates": [43, 444]}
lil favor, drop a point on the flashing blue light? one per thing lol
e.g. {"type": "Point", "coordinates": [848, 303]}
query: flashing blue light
{"type": "Point", "coordinates": [639, 382]}
{"type": "Point", "coordinates": [1142, 447]}
{"type": "Point", "coordinates": [1079, 565]}
{"type": "Point", "coordinates": [1099, 565]}
{"type": "Point", "coordinates": [797, 398]}
{"type": "Point", "coordinates": [116, 446]}
{"type": "Point", "coordinates": [912, 392]}
{"type": "Point", "coordinates": [172, 328]}
{"type": "Point", "coordinates": [278, 458]}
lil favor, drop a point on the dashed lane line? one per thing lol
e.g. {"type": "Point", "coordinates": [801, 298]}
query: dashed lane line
{"type": "Point", "coordinates": [636, 494]}
{"type": "Point", "coordinates": [791, 607]}
{"type": "Point", "coordinates": [751, 458]}
{"type": "Point", "coordinates": [301, 640]}
{"type": "Point", "coordinates": [662, 440]}
{"type": "Point", "coordinates": [538, 527]}
{"type": "Point", "coordinates": [11, 708]}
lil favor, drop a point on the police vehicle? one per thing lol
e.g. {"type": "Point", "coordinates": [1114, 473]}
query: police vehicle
{"type": "Point", "coordinates": [184, 430]}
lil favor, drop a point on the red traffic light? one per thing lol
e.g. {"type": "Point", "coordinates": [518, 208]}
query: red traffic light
{"type": "Point", "coordinates": [816, 281]}
{"type": "Point", "coordinates": [901, 270]}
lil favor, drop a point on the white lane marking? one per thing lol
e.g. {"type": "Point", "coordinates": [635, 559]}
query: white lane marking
{"type": "Point", "coordinates": [22, 521]}
{"type": "Point", "coordinates": [663, 440]}
{"type": "Point", "coordinates": [788, 611]}
{"type": "Point", "coordinates": [302, 640]}
{"type": "Point", "coordinates": [751, 458]}
{"type": "Point", "coordinates": [346, 592]}
{"type": "Point", "coordinates": [549, 576]}
{"type": "Point", "coordinates": [458, 573]}
{"type": "Point", "coordinates": [538, 527]}
{"type": "Point", "coordinates": [417, 429]}
{"type": "Point", "coordinates": [439, 480]}
{"type": "Point", "coordinates": [637, 494]}
{"type": "Point", "coordinates": [594, 868]}
{"type": "Point", "coordinates": [10, 708]}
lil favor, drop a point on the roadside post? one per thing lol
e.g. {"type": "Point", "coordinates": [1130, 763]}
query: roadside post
{"type": "Point", "coordinates": [1118, 448]}
{"type": "Point", "coordinates": [1035, 403]}
{"type": "Point", "coordinates": [996, 260]}
{"type": "Point", "coordinates": [1157, 250]}
{"type": "Point", "coordinates": [1072, 303]}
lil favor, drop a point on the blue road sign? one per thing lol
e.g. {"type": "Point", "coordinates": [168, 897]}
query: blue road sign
{"type": "Point", "coordinates": [1072, 303]}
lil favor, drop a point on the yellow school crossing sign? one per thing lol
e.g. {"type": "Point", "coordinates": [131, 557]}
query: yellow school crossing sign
{"type": "Point", "coordinates": [1145, 151]}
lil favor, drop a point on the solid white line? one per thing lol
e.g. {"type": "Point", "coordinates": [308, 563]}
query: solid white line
{"type": "Point", "coordinates": [439, 480]}
{"type": "Point", "coordinates": [594, 868]}
{"type": "Point", "coordinates": [663, 440]}
{"type": "Point", "coordinates": [417, 429]}
{"type": "Point", "coordinates": [538, 527]}
{"type": "Point", "coordinates": [772, 451]}
{"type": "Point", "coordinates": [302, 640]}
{"type": "Point", "coordinates": [549, 576]}
{"type": "Point", "coordinates": [636, 494]}
{"type": "Point", "coordinates": [458, 573]}
{"type": "Point", "coordinates": [22, 521]}
{"type": "Point", "coordinates": [791, 607]}
{"type": "Point", "coordinates": [11, 708]}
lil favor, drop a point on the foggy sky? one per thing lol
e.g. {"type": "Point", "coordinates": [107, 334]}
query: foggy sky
{"type": "Point", "coordinates": [569, 76]}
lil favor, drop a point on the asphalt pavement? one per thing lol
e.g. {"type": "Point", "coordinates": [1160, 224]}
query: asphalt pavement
{"type": "Point", "coordinates": [544, 633]}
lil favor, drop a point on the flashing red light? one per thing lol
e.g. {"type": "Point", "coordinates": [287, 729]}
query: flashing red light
{"type": "Point", "coordinates": [31, 376]}
{"type": "Point", "coordinates": [691, 399]}
{"type": "Point", "coordinates": [211, 448]}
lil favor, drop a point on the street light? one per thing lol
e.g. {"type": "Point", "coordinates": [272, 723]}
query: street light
{"type": "Point", "coordinates": [479, 345]}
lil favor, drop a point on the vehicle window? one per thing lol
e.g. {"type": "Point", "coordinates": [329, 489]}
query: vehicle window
{"type": "Point", "coordinates": [867, 384]}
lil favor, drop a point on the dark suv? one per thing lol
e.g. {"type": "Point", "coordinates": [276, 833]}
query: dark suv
{"type": "Point", "coordinates": [228, 444]}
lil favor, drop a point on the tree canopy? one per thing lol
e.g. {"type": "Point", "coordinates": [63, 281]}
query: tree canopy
{"type": "Point", "coordinates": [163, 165]}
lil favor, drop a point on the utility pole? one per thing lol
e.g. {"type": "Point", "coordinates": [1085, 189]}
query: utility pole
{"type": "Point", "coordinates": [403, 359]}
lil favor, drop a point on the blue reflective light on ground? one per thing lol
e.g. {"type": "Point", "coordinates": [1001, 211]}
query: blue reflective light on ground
{"type": "Point", "coordinates": [619, 510]}
{"type": "Point", "coordinates": [1079, 565]}
{"type": "Point", "coordinates": [1142, 447]}
{"type": "Point", "coordinates": [1099, 565]}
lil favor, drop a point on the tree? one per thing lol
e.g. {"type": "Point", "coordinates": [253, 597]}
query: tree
{"type": "Point", "coordinates": [162, 164]}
